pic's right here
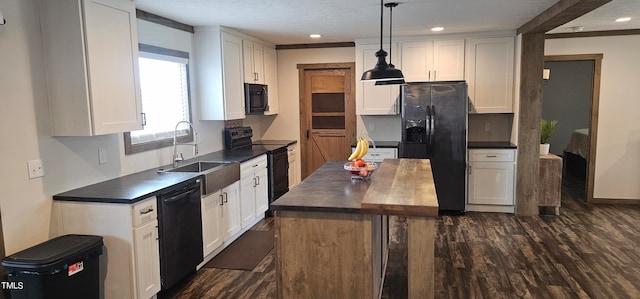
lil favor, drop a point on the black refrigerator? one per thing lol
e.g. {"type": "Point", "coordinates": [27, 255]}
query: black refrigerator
{"type": "Point", "coordinates": [434, 126]}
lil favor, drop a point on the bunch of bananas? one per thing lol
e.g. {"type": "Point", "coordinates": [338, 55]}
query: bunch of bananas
{"type": "Point", "coordinates": [361, 149]}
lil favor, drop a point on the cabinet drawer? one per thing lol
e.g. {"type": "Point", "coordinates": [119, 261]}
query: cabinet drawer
{"type": "Point", "coordinates": [145, 211]}
{"type": "Point", "coordinates": [252, 165]}
{"type": "Point", "coordinates": [492, 155]}
{"type": "Point", "coordinates": [379, 154]}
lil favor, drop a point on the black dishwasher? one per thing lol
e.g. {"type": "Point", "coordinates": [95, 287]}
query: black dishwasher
{"type": "Point", "coordinates": [180, 231]}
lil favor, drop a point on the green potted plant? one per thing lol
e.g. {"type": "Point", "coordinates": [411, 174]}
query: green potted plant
{"type": "Point", "coordinates": [546, 130]}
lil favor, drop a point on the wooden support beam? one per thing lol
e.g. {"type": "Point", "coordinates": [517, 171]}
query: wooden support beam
{"type": "Point", "coordinates": [560, 13]}
{"type": "Point", "coordinates": [532, 62]}
{"type": "Point", "coordinates": [530, 112]}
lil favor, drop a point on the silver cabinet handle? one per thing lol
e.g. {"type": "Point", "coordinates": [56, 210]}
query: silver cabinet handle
{"type": "Point", "coordinates": [469, 169]}
{"type": "Point", "coordinates": [258, 180]}
{"type": "Point", "coordinates": [221, 199]}
{"type": "Point", "coordinates": [491, 156]}
{"type": "Point", "coordinates": [255, 182]}
{"type": "Point", "coordinates": [226, 197]}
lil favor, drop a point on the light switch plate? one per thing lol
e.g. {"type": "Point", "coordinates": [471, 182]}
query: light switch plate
{"type": "Point", "coordinates": [35, 168]}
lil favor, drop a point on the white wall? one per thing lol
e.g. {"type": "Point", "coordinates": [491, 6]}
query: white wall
{"type": "Point", "coordinates": [617, 170]}
{"type": "Point", "coordinates": [69, 162]}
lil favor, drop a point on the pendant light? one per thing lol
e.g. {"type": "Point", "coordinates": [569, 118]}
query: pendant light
{"type": "Point", "coordinates": [382, 71]}
{"type": "Point", "coordinates": [391, 5]}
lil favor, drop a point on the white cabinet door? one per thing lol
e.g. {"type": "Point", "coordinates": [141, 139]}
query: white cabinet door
{"type": "Point", "coordinates": [292, 156]}
{"type": "Point", "coordinates": [232, 70]}
{"type": "Point", "coordinates": [271, 79]}
{"type": "Point", "coordinates": [261, 191]}
{"type": "Point", "coordinates": [417, 61]}
{"type": "Point", "coordinates": [253, 62]}
{"type": "Point", "coordinates": [147, 259]}
{"type": "Point", "coordinates": [247, 200]}
{"type": "Point", "coordinates": [231, 210]}
{"type": "Point", "coordinates": [490, 74]}
{"type": "Point", "coordinates": [91, 57]}
{"type": "Point", "coordinates": [448, 60]}
{"type": "Point", "coordinates": [211, 222]}
{"type": "Point", "coordinates": [428, 60]}
{"type": "Point", "coordinates": [219, 73]}
{"type": "Point", "coordinates": [371, 99]}
{"type": "Point", "coordinates": [491, 183]}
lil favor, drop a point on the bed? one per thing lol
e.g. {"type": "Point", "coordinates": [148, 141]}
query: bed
{"type": "Point", "coordinates": [576, 153]}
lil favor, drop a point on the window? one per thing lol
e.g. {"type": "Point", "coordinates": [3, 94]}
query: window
{"type": "Point", "coordinates": [164, 85]}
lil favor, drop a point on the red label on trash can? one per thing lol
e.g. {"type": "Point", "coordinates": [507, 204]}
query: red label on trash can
{"type": "Point", "coordinates": [75, 268]}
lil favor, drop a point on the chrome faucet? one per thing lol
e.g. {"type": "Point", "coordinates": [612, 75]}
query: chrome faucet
{"type": "Point", "coordinates": [178, 157]}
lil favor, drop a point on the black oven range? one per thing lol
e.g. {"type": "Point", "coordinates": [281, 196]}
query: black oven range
{"type": "Point", "coordinates": [239, 139]}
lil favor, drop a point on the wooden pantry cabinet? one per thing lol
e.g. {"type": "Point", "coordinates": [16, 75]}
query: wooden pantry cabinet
{"type": "Point", "coordinates": [91, 62]}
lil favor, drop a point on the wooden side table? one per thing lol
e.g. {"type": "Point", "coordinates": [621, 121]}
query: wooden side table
{"type": "Point", "coordinates": [550, 183]}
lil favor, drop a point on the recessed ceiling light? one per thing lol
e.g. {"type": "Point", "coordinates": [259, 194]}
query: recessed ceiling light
{"type": "Point", "coordinates": [437, 28]}
{"type": "Point", "coordinates": [626, 19]}
{"type": "Point", "coordinates": [315, 35]}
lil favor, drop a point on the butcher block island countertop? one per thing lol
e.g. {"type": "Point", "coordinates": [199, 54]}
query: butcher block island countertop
{"type": "Point", "coordinates": [332, 232]}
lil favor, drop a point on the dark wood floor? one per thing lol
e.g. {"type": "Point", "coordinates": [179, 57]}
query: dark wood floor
{"type": "Point", "coordinates": [588, 251]}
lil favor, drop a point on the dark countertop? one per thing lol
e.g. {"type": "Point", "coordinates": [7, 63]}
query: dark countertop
{"type": "Point", "coordinates": [127, 189]}
{"type": "Point", "coordinates": [491, 144]}
{"type": "Point", "coordinates": [275, 142]}
{"type": "Point", "coordinates": [381, 144]}
{"type": "Point", "coordinates": [328, 189]}
{"type": "Point", "coordinates": [138, 186]}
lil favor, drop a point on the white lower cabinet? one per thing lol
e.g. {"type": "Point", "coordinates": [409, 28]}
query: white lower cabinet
{"type": "Point", "coordinates": [146, 252]}
{"type": "Point", "coordinates": [292, 157]}
{"type": "Point", "coordinates": [220, 217]}
{"type": "Point", "coordinates": [230, 197]}
{"type": "Point", "coordinates": [491, 180]}
{"type": "Point", "coordinates": [130, 236]}
{"type": "Point", "coordinates": [254, 193]}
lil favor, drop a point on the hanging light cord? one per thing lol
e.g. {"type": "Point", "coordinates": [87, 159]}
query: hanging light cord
{"type": "Point", "coordinates": [390, 31]}
{"type": "Point", "coordinates": [381, 13]}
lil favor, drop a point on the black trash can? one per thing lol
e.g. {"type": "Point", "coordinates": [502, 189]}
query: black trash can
{"type": "Point", "coordinates": [63, 267]}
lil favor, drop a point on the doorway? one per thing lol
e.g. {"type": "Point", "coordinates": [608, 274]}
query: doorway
{"type": "Point", "coordinates": [327, 114]}
{"type": "Point", "coordinates": [588, 158]}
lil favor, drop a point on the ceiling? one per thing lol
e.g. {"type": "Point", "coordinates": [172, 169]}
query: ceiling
{"type": "Point", "coordinates": [291, 21]}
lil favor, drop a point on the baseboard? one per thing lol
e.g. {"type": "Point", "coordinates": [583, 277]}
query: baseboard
{"type": "Point", "coordinates": [490, 208]}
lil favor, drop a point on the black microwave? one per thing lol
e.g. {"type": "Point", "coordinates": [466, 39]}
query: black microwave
{"type": "Point", "coordinates": [256, 98]}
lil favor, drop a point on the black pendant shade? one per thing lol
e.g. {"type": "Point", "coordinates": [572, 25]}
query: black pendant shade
{"type": "Point", "coordinates": [383, 72]}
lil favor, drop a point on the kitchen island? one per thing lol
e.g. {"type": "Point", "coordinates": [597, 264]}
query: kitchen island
{"type": "Point", "coordinates": [331, 232]}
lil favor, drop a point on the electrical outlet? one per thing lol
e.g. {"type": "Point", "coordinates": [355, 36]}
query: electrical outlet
{"type": "Point", "coordinates": [487, 126]}
{"type": "Point", "coordinates": [35, 168]}
{"type": "Point", "coordinates": [102, 156]}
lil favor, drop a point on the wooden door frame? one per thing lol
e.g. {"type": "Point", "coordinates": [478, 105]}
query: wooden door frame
{"type": "Point", "coordinates": [304, 121]}
{"type": "Point", "coordinates": [593, 108]}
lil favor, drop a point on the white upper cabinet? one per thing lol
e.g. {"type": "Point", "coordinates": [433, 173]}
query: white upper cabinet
{"type": "Point", "coordinates": [219, 73]}
{"type": "Point", "coordinates": [372, 99]}
{"type": "Point", "coordinates": [271, 79]}
{"type": "Point", "coordinates": [490, 74]}
{"type": "Point", "coordinates": [91, 59]}
{"type": "Point", "coordinates": [253, 58]}
{"type": "Point", "coordinates": [433, 60]}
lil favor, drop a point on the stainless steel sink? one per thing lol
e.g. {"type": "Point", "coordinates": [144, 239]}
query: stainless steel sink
{"type": "Point", "coordinates": [197, 167]}
{"type": "Point", "coordinates": [216, 175]}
